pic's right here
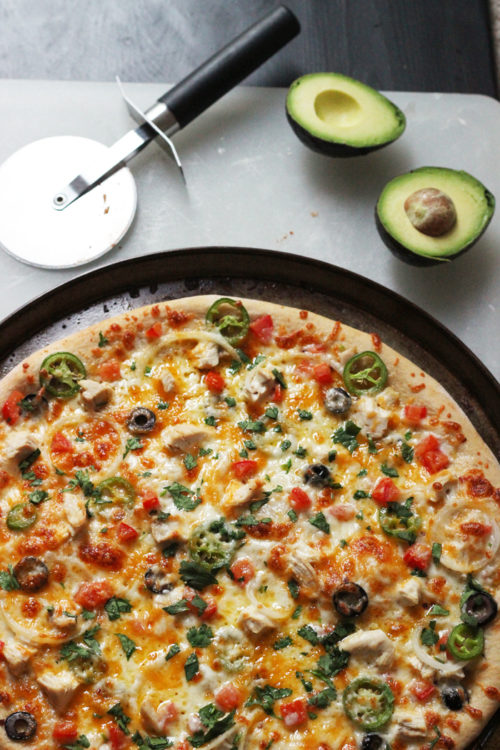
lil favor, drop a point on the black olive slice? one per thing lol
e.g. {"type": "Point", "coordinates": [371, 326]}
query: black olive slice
{"type": "Point", "coordinates": [454, 697]}
{"type": "Point", "coordinates": [20, 726]}
{"type": "Point", "coordinates": [479, 608]}
{"type": "Point", "coordinates": [372, 741]}
{"type": "Point", "coordinates": [350, 599]}
{"type": "Point", "coordinates": [141, 420]}
{"type": "Point", "coordinates": [31, 574]}
{"type": "Point", "coordinates": [337, 401]}
{"type": "Point", "coordinates": [317, 474]}
{"type": "Point", "coordinates": [157, 580]}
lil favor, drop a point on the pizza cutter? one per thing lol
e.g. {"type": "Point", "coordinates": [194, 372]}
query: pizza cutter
{"type": "Point", "coordinates": [65, 201]}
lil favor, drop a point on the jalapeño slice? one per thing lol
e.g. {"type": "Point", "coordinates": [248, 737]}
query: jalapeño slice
{"type": "Point", "coordinates": [21, 516]}
{"type": "Point", "coordinates": [230, 318]}
{"type": "Point", "coordinates": [397, 519]}
{"type": "Point", "coordinates": [368, 703]}
{"type": "Point", "coordinates": [208, 548]}
{"type": "Point", "coordinates": [115, 490]}
{"type": "Point", "coordinates": [60, 373]}
{"type": "Point", "coordinates": [465, 642]}
{"type": "Point", "coordinates": [365, 374]}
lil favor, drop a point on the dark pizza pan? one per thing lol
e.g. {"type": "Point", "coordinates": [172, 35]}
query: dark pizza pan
{"type": "Point", "coordinates": [278, 277]}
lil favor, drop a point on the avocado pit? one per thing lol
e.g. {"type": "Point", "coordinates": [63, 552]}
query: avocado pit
{"type": "Point", "coordinates": [431, 211]}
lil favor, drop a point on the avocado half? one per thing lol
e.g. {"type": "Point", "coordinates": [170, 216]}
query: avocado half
{"type": "Point", "coordinates": [430, 197]}
{"type": "Point", "coordinates": [339, 116]}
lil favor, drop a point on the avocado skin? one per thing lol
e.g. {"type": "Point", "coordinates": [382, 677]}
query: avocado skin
{"type": "Point", "coordinates": [330, 148]}
{"type": "Point", "coordinates": [413, 258]}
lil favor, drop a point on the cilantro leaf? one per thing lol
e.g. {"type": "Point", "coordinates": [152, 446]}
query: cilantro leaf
{"type": "Point", "coordinates": [304, 415]}
{"type": "Point", "coordinates": [172, 651]}
{"type": "Point", "coordinates": [437, 548]}
{"type": "Point", "coordinates": [266, 696]}
{"type": "Point", "coordinates": [196, 575]}
{"type": "Point", "coordinates": [120, 717]}
{"type": "Point", "coordinates": [8, 581]}
{"type": "Point", "coordinates": [346, 435]}
{"type": "Point", "coordinates": [190, 461]}
{"type": "Point", "coordinates": [249, 425]}
{"type": "Point", "coordinates": [132, 444]}
{"type": "Point", "coordinates": [216, 723]}
{"type": "Point", "coordinates": [116, 607]}
{"type": "Point", "coordinates": [294, 588]}
{"type": "Point", "coordinates": [428, 636]}
{"type": "Point", "coordinates": [38, 496]}
{"type": "Point", "coordinates": [191, 666]}
{"type": "Point", "coordinates": [309, 634]}
{"type": "Point", "coordinates": [279, 377]}
{"type": "Point", "coordinates": [127, 643]}
{"type": "Point", "coordinates": [200, 637]}
{"type": "Point", "coordinates": [320, 522]}
{"type": "Point", "coordinates": [151, 743]}
{"type": "Point", "coordinates": [407, 452]}
{"type": "Point", "coordinates": [103, 341]}
{"type": "Point", "coordinates": [282, 643]}
{"type": "Point", "coordinates": [183, 497]}
{"type": "Point", "coordinates": [389, 471]}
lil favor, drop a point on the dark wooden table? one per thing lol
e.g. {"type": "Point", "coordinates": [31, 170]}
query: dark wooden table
{"type": "Point", "coordinates": [416, 45]}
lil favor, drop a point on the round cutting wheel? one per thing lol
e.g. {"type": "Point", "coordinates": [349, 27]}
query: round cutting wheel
{"type": "Point", "coordinates": [33, 231]}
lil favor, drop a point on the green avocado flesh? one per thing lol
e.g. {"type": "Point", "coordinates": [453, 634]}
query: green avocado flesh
{"type": "Point", "coordinates": [473, 203]}
{"type": "Point", "coordinates": [330, 108]}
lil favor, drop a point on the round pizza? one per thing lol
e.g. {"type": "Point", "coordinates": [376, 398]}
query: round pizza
{"type": "Point", "coordinates": [232, 524]}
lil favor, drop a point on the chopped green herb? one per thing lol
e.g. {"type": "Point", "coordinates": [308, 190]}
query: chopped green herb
{"type": "Point", "coordinates": [88, 615]}
{"type": "Point", "coordinates": [191, 666]}
{"type": "Point", "coordinates": [428, 636]}
{"type": "Point", "coordinates": [234, 366]}
{"type": "Point", "coordinates": [204, 452]}
{"type": "Point", "coordinates": [162, 405]}
{"type": "Point", "coordinates": [277, 428]}
{"type": "Point", "coordinates": [296, 612]}
{"type": "Point", "coordinates": [320, 522]}
{"type": "Point", "coordinates": [408, 435]}
{"type": "Point", "coordinates": [243, 453]}
{"type": "Point", "coordinates": [170, 549]}
{"type": "Point", "coordinates": [210, 421]}
{"type": "Point", "coordinates": [407, 452]}
{"type": "Point", "coordinates": [151, 743]}
{"type": "Point", "coordinates": [249, 425]}
{"type": "Point", "coordinates": [332, 455]}
{"type": "Point", "coordinates": [309, 634]}
{"type": "Point", "coordinates": [282, 643]}
{"type": "Point", "coordinates": [360, 494]}
{"type": "Point", "coordinates": [300, 451]}
{"type": "Point", "coordinates": [372, 448]}
{"type": "Point", "coordinates": [177, 608]}
{"type": "Point", "coordinates": [343, 543]}
{"type": "Point", "coordinates": [389, 471]}
{"type": "Point", "coordinates": [304, 415]}
{"type": "Point", "coordinates": [216, 723]}
{"type": "Point", "coordinates": [346, 435]}
{"type": "Point", "coordinates": [437, 609]}
{"type": "Point", "coordinates": [120, 717]}
{"type": "Point", "coordinates": [127, 644]}
{"type": "Point", "coordinates": [132, 444]}
{"type": "Point", "coordinates": [307, 685]}
{"type": "Point", "coordinates": [133, 366]}
{"type": "Point", "coordinates": [196, 575]}
{"type": "Point", "coordinates": [230, 401]}
{"type": "Point", "coordinates": [271, 412]}
{"type": "Point", "coordinates": [172, 651]}
{"type": "Point", "coordinates": [292, 515]}
{"type": "Point", "coordinates": [280, 378]}
{"type": "Point", "coordinates": [38, 496]}
{"type": "Point", "coordinates": [436, 738]}
{"type": "Point", "coordinates": [147, 372]}
{"type": "Point", "coordinates": [250, 520]}
{"type": "Point", "coordinates": [103, 341]}
{"type": "Point", "coordinates": [8, 581]}
{"type": "Point", "coordinates": [200, 637]}
{"type": "Point", "coordinates": [437, 548]}
{"type": "Point", "coordinates": [190, 461]}
{"type": "Point", "coordinates": [323, 698]}
{"type": "Point", "coordinates": [418, 573]}
{"type": "Point", "coordinates": [294, 588]}
{"type": "Point", "coordinates": [258, 359]}
{"type": "Point", "coordinates": [183, 497]}
{"type": "Point", "coordinates": [287, 466]}
{"type": "Point", "coordinates": [362, 473]}
{"type": "Point", "coordinates": [266, 696]}
{"type": "Point", "coordinates": [116, 607]}
{"type": "Point", "coordinates": [250, 445]}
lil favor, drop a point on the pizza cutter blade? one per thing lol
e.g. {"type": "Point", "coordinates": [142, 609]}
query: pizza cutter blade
{"type": "Point", "coordinates": [65, 201]}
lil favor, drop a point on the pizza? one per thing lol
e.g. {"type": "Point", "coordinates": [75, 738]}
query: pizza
{"type": "Point", "coordinates": [232, 524]}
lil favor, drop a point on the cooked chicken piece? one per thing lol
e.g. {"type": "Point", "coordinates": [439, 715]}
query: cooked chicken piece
{"type": "Point", "coordinates": [409, 593]}
{"type": "Point", "coordinates": [168, 382]}
{"type": "Point", "coordinates": [410, 726]}
{"type": "Point", "coordinates": [59, 687]}
{"type": "Point", "coordinates": [238, 494]}
{"type": "Point", "coordinates": [184, 437]}
{"type": "Point", "coordinates": [19, 446]}
{"type": "Point", "coordinates": [388, 399]}
{"type": "Point", "coordinates": [166, 530]}
{"type": "Point", "coordinates": [95, 395]}
{"type": "Point", "coordinates": [371, 418]}
{"type": "Point", "coordinates": [372, 647]}
{"type": "Point", "coordinates": [156, 719]}
{"type": "Point", "coordinates": [75, 510]}
{"type": "Point", "coordinates": [256, 624]}
{"type": "Point", "coordinates": [64, 615]}
{"type": "Point", "coordinates": [206, 355]}
{"type": "Point", "coordinates": [259, 385]}
{"type": "Point", "coordinates": [304, 574]}
{"type": "Point", "coordinates": [17, 657]}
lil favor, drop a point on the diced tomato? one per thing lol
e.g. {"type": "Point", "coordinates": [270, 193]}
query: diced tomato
{"type": "Point", "coordinates": [61, 444]}
{"type": "Point", "coordinates": [244, 469]}
{"type": "Point", "coordinates": [429, 443]}
{"type": "Point", "coordinates": [385, 491]}
{"type": "Point", "coordinates": [422, 690]}
{"type": "Point", "coordinates": [155, 331]}
{"type": "Point", "coordinates": [342, 511]}
{"type": "Point", "coordinates": [299, 500]}
{"type": "Point", "coordinates": [117, 739]}
{"type": "Point", "coordinates": [11, 410]}
{"type": "Point", "coordinates": [322, 374]}
{"type": "Point", "coordinates": [294, 713]}
{"type": "Point", "coordinates": [415, 412]}
{"type": "Point", "coordinates": [214, 382]}
{"type": "Point", "coordinates": [126, 533]}
{"type": "Point", "coordinates": [263, 328]}
{"type": "Point", "coordinates": [228, 697]}
{"type": "Point", "coordinates": [65, 732]}
{"type": "Point", "coordinates": [94, 594]}
{"type": "Point", "coordinates": [2, 646]}
{"type": "Point", "coordinates": [278, 394]}
{"type": "Point", "coordinates": [243, 570]}
{"type": "Point", "coordinates": [110, 370]}
{"type": "Point", "coordinates": [150, 501]}
{"type": "Point", "coordinates": [434, 461]}
{"type": "Point", "coordinates": [418, 556]}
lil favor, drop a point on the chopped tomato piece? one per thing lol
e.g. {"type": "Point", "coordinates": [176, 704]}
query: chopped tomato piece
{"type": "Point", "coordinates": [415, 412]}
{"type": "Point", "coordinates": [150, 501]}
{"type": "Point", "coordinates": [61, 444]}
{"type": "Point", "coordinates": [429, 443]}
{"type": "Point", "coordinates": [11, 410]}
{"type": "Point", "coordinates": [422, 690]}
{"type": "Point", "coordinates": [228, 697]}
{"type": "Point", "coordinates": [126, 533]}
{"type": "Point", "coordinates": [434, 461]}
{"type": "Point", "coordinates": [278, 394]}
{"type": "Point", "coordinates": [385, 491]}
{"type": "Point", "coordinates": [244, 469]}
{"type": "Point", "coordinates": [263, 328]}
{"type": "Point", "coordinates": [322, 374]}
{"type": "Point", "coordinates": [243, 571]}
{"type": "Point", "coordinates": [294, 713]}
{"type": "Point", "coordinates": [214, 382]}
{"type": "Point", "coordinates": [65, 732]}
{"type": "Point", "coordinates": [299, 500]}
{"type": "Point", "coordinates": [110, 370]}
{"type": "Point", "coordinates": [418, 556]}
{"type": "Point", "coordinates": [117, 739]}
{"type": "Point", "coordinates": [94, 594]}
{"type": "Point", "coordinates": [155, 331]}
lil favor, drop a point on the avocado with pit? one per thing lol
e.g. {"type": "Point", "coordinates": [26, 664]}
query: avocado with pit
{"type": "Point", "coordinates": [339, 116]}
{"type": "Point", "coordinates": [433, 214]}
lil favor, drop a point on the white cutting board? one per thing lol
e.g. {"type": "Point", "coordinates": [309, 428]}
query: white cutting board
{"type": "Point", "coordinates": [250, 182]}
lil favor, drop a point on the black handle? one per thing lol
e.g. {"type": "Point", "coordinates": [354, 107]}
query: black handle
{"type": "Point", "coordinates": [234, 62]}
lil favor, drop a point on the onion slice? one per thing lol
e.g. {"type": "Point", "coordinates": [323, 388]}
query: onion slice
{"type": "Point", "coordinates": [463, 552]}
{"type": "Point", "coordinates": [447, 668]}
